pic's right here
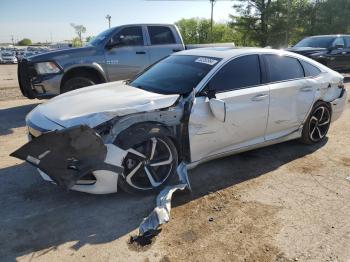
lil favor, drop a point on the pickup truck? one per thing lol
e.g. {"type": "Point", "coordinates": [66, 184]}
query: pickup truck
{"type": "Point", "coordinates": [118, 53]}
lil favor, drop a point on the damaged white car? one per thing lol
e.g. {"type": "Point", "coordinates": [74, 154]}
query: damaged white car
{"type": "Point", "coordinates": [190, 107]}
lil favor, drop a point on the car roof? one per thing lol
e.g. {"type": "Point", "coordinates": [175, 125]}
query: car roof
{"type": "Point", "coordinates": [338, 35]}
{"type": "Point", "coordinates": [229, 52]}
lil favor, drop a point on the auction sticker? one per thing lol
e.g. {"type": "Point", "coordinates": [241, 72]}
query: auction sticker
{"type": "Point", "coordinates": [206, 60]}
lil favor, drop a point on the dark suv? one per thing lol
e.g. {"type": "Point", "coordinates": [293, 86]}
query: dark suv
{"type": "Point", "coordinates": [330, 50]}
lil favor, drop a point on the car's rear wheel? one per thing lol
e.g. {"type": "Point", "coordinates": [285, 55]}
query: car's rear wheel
{"type": "Point", "coordinates": [150, 164]}
{"type": "Point", "coordinates": [316, 127]}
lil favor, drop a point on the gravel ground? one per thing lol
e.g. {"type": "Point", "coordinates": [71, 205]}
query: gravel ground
{"type": "Point", "coordinates": [287, 202]}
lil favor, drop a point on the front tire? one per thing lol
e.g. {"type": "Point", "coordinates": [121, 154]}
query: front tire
{"type": "Point", "coordinates": [77, 82]}
{"type": "Point", "coordinates": [151, 174]}
{"type": "Point", "coordinates": [317, 124]}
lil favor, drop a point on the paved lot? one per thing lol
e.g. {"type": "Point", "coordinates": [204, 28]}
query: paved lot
{"type": "Point", "coordinates": [286, 202]}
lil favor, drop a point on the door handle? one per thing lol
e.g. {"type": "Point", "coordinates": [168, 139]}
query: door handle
{"type": "Point", "coordinates": [306, 89]}
{"type": "Point", "coordinates": [140, 52]}
{"type": "Point", "coordinates": [259, 97]}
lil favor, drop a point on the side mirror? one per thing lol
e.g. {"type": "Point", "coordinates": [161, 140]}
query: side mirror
{"type": "Point", "coordinates": [218, 108]}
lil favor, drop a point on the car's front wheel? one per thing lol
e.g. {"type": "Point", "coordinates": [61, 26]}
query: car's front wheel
{"type": "Point", "coordinates": [316, 126]}
{"type": "Point", "coordinates": [151, 163]}
{"type": "Point", "coordinates": [77, 82]}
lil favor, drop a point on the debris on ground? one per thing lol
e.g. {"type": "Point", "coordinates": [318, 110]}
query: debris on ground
{"type": "Point", "coordinates": [149, 226]}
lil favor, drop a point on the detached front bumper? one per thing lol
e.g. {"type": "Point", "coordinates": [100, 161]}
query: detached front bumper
{"type": "Point", "coordinates": [66, 156]}
{"type": "Point", "coordinates": [33, 85]}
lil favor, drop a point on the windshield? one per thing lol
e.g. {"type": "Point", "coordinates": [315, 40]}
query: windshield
{"type": "Point", "coordinates": [97, 40]}
{"type": "Point", "coordinates": [322, 42]}
{"type": "Point", "coordinates": [177, 74]}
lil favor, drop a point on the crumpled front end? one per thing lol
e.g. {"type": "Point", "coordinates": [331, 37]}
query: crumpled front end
{"type": "Point", "coordinates": [69, 156]}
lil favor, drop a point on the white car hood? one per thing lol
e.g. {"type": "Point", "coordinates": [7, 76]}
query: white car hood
{"type": "Point", "coordinates": [100, 103]}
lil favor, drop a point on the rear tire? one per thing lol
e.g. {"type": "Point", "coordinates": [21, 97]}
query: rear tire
{"type": "Point", "coordinates": [77, 82]}
{"type": "Point", "coordinates": [153, 173]}
{"type": "Point", "coordinates": [317, 124]}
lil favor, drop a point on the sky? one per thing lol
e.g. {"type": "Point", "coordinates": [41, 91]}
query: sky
{"type": "Point", "coordinates": [46, 20]}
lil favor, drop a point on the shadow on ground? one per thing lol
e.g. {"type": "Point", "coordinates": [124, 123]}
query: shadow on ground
{"type": "Point", "coordinates": [37, 216]}
{"type": "Point", "coordinates": [14, 117]}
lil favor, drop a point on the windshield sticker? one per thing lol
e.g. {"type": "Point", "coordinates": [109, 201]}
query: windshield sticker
{"type": "Point", "coordinates": [206, 60]}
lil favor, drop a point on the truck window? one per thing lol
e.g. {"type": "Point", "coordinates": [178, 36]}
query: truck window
{"type": "Point", "coordinates": [161, 35]}
{"type": "Point", "coordinates": [129, 36]}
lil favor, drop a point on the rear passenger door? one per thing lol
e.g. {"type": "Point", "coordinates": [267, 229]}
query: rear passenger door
{"type": "Point", "coordinates": [291, 95]}
{"type": "Point", "coordinates": [162, 42]}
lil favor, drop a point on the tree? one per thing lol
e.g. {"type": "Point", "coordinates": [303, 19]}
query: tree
{"type": "Point", "coordinates": [197, 31]}
{"type": "Point", "coordinates": [79, 30]}
{"type": "Point", "coordinates": [25, 41]}
{"type": "Point", "coordinates": [279, 23]}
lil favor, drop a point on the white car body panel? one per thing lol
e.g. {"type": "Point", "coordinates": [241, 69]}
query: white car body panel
{"type": "Point", "coordinates": [254, 117]}
{"type": "Point", "coordinates": [97, 104]}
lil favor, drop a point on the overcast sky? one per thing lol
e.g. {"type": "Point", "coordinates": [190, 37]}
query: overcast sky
{"type": "Point", "coordinates": [43, 20]}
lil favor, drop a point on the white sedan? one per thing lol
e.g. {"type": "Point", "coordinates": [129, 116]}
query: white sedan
{"type": "Point", "coordinates": [190, 107]}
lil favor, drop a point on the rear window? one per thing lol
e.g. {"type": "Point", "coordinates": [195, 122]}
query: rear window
{"type": "Point", "coordinates": [310, 70]}
{"type": "Point", "coordinates": [347, 41]}
{"type": "Point", "coordinates": [161, 35]}
{"type": "Point", "coordinates": [282, 68]}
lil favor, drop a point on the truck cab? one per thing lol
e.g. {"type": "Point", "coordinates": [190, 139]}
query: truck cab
{"type": "Point", "coordinates": [118, 53]}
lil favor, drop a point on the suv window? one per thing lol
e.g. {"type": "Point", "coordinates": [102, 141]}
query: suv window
{"type": "Point", "coordinates": [161, 35]}
{"type": "Point", "coordinates": [129, 36]}
{"type": "Point", "coordinates": [309, 69]}
{"type": "Point", "coordinates": [339, 41]}
{"type": "Point", "coordinates": [347, 41]}
{"type": "Point", "coordinates": [239, 73]}
{"type": "Point", "coordinates": [281, 68]}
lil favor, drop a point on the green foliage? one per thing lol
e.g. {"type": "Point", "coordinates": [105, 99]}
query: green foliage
{"type": "Point", "coordinates": [89, 38]}
{"type": "Point", "coordinates": [25, 41]}
{"type": "Point", "coordinates": [76, 42]}
{"type": "Point", "coordinates": [79, 30]}
{"type": "Point", "coordinates": [198, 31]}
{"type": "Point", "coordinates": [279, 23]}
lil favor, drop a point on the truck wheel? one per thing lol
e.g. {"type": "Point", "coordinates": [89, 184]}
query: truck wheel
{"type": "Point", "coordinates": [158, 164]}
{"type": "Point", "coordinates": [77, 82]}
{"type": "Point", "coordinates": [317, 124]}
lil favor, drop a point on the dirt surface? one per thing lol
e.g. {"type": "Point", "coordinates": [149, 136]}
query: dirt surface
{"type": "Point", "coordinates": [287, 202]}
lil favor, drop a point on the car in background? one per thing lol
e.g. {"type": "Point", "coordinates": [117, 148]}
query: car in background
{"type": "Point", "coordinates": [330, 50]}
{"type": "Point", "coordinates": [9, 58]}
{"type": "Point", "coordinates": [190, 107]}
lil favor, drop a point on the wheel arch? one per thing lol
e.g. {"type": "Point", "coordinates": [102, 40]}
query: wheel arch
{"type": "Point", "coordinates": [133, 131]}
{"type": "Point", "coordinates": [95, 71]}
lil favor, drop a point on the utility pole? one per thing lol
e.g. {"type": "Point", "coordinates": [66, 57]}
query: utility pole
{"type": "Point", "coordinates": [108, 17]}
{"type": "Point", "coordinates": [212, 2]}
{"type": "Point", "coordinates": [12, 39]}
{"type": "Point", "coordinates": [288, 22]}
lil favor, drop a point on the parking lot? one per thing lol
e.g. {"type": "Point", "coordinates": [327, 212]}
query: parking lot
{"type": "Point", "coordinates": [287, 202]}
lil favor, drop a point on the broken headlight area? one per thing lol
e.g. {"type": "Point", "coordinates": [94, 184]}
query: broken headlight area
{"type": "Point", "coordinates": [69, 155]}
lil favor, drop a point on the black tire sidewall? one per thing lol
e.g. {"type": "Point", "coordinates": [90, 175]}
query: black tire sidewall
{"type": "Point", "coordinates": [150, 133]}
{"type": "Point", "coordinates": [305, 138]}
{"type": "Point", "coordinates": [77, 82]}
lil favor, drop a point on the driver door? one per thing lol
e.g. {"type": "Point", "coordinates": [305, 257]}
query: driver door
{"type": "Point", "coordinates": [127, 54]}
{"type": "Point", "coordinates": [239, 85]}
